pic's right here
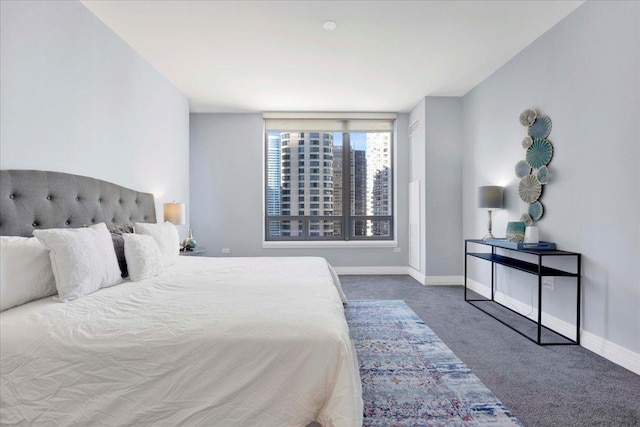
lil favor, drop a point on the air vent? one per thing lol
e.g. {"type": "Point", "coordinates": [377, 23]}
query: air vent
{"type": "Point", "coordinates": [414, 128]}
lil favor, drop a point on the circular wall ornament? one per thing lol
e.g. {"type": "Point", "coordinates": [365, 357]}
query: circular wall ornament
{"type": "Point", "coordinates": [528, 117]}
{"type": "Point", "coordinates": [522, 169]}
{"type": "Point", "coordinates": [526, 142]}
{"type": "Point", "coordinates": [526, 218]}
{"type": "Point", "coordinates": [536, 210]}
{"type": "Point", "coordinates": [543, 175]}
{"type": "Point", "coordinates": [541, 128]}
{"type": "Point", "coordinates": [529, 189]}
{"type": "Point", "coordinates": [539, 154]}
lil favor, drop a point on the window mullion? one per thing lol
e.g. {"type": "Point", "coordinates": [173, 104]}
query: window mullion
{"type": "Point", "coordinates": [346, 185]}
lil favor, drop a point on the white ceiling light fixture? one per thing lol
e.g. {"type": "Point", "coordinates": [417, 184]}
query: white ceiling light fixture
{"type": "Point", "coordinates": [329, 25]}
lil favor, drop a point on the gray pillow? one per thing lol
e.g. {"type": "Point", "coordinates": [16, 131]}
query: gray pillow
{"type": "Point", "coordinates": [118, 245]}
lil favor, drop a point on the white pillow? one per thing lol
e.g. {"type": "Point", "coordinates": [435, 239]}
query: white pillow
{"type": "Point", "coordinates": [83, 259]}
{"type": "Point", "coordinates": [25, 271]}
{"type": "Point", "coordinates": [143, 256]}
{"type": "Point", "coordinates": [166, 236]}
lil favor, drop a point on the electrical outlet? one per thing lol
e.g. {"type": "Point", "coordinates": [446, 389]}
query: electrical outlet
{"type": "Point", "coordinates": [397, 250]}
{"type": "Point", "coordinates": [548, 282]}
{"type": "Point", "coordinates": [226, 250]}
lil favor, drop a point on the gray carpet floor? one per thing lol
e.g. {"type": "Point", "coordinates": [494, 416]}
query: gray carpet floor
{"type": "Point", "coordinates": [561, 386]}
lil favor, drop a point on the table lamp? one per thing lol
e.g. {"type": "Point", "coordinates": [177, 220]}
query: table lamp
{"type": "Point", "coordinates": [490, 196]}
{"type": "Point", "coordinates": [174, 213]}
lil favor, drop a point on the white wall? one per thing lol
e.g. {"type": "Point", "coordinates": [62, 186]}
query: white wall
{"type": "Point", "coordinates": [227, 192]}
{"type": "Point", "coordinates": [75, 98]}
{"type": "Point", "coordinates": [583, 73]}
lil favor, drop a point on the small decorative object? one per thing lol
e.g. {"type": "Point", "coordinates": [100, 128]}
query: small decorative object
{"type": "Point", "coordinates": [528, 117]}
{"type": "Point", "coordinates": [531, 234]}
{"type": "Point", "coordinates": [536, 210]}
{"type": "Point", "coordinates": [189, 243]}
{"type": "Point", "coordinates": [543, 175]}
{"type": "Point", "coordinates": [522, 169]}
{"type": "Point", "coordinates": [515, 231]}
{"type": "Point", "coordinates": [490, 196]}
{"type": "Point", "coordinates": [526, 142]}
{"type": "Point", "coordinates": [541, 128]}
{"type": "Point", "coordinates": [529, 189]}
{"type": "Point", "coordinates": [526, 218]}
{"type": "Point", "coordinates": [540, 153]}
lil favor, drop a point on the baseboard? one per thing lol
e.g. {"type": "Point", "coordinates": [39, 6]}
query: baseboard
{"type": "Point", "coordinates": [444, 280]}
{"type": "Point", "coordinates": [617, 354]}
{"type": "Point", "coordinates": [371, 270]}
{"type": "Point", "coordinates": [416, 275]}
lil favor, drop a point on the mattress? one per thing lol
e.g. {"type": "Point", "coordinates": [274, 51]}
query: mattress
{"type": "Point", "coordinates": [211, 341]}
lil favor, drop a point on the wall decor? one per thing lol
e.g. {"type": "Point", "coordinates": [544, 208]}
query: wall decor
{"type": "Point", "coordinates": [539, 154]}
{"type": "Point", "coordinates": [543, 175]}
{"type": "Point", "coordinates": [535, 210]}
{"type": "Point", "coordinates": [541, 128]}
{"type": "Point", "coordinates": [522, 169]}
{"type": "Point", "coordinates": [526, 218]}
{"type": "Point", "coordinates": [528, 117]}
{"type": "Point", "coordinates": [529, 189]}
{"type": "Point", "coordinates": [533, 171]}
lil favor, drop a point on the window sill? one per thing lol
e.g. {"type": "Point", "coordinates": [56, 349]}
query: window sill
{"type": "Point", "coordinates": [330, 244]}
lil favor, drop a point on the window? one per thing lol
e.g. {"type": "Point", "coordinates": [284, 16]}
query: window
{"type": "Point", "coordinates": [353, 173]}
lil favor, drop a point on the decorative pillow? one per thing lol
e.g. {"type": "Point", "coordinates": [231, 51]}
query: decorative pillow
{"type": "Point", "coordinates": [118, 245]}
{"type": "Point", "coordinates": [25, 271]}
{"type": "Point", "coordinates": [166, 236]}
{"type": "Point", "coordinates": [82, 259]}
{"type": "Point", "coordinates": [143, 256]}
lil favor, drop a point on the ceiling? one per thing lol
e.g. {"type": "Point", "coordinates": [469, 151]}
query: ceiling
{"type": "Point", "coordinates": [254, 56]}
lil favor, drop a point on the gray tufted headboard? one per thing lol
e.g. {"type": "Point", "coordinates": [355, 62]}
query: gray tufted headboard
{"type": "Point", "coordinates": [31, 199]}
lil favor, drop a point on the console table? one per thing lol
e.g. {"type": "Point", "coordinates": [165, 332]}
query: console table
{"type": "Point", "coordinates": [537, 269]}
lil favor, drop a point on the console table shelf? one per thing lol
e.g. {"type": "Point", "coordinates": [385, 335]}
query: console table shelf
{"type": "Point", "coordinates": [537, 269]}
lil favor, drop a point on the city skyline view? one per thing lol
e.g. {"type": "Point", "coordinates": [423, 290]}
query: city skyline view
{"type": "Point", "coordinates": [315, 196]}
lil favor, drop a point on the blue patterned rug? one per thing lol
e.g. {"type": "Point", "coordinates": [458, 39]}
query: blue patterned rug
{"type": "Point", "coordinates": [411, 378]}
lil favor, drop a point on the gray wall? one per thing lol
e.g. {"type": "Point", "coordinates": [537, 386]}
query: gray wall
{"type": "Point", "coordinates": [227, 192]}
{"type": "Point", "coordinates": [436, 160]}
{"type": "Point", "coordinates": [75, 98]}
{"type": "Point", "coordinates": [443, 160]}
{"type": "Point", "coordinates": [584, 74]}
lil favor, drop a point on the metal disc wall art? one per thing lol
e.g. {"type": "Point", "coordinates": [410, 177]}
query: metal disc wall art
{"type": "Point", "coordinates": [533, 171]}
{"type": "Point", "coordinates": [527, 117]}
{"type": "Point", "coordinates": [540, 153]}
{"type": "Point", "coordinates": [529, 189]}
{"type": "Point", "coordinates": [526, 218]}
{"type": "Point", "coordinates": [535, 210]}
{"type": "Point", "coordinates": [522, 169]}
{"type": "Point", "coordinates": [541, 128]}
{"type": "Point", "coordinates": [543, 175]}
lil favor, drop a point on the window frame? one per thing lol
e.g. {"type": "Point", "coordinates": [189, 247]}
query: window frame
{"type": "Point", "coordinates": [346, 219]}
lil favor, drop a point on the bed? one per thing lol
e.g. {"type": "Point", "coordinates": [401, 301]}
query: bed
{"type": "Point", "coordinates": [210, 341]}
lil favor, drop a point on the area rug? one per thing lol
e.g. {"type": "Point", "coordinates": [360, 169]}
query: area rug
{"type": "Point", "coordinates": [411, 378]}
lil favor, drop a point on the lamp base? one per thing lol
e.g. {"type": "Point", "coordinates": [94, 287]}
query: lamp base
{"type": "Point", "coordinates": [488, 236]}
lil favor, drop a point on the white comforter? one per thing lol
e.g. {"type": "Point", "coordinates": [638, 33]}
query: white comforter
{"type": "Point", "coordinates": [211, 341]}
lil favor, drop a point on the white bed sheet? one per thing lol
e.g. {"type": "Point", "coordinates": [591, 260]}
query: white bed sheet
{"type": "Point", "coordinates": [211, 341]}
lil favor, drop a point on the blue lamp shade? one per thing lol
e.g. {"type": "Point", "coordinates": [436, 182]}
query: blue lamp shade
{"type": "Point", "coordinates": [490, 196]}
{"type": "Point", "coordinates": [174, 213]}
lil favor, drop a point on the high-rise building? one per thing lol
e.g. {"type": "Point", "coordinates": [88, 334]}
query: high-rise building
{"type": "Point", "coordinates": [307, 181]}
{"type": "Point", "coordinates": [274, 191]}
{"type": "Point", "coordinates": [378, 181]}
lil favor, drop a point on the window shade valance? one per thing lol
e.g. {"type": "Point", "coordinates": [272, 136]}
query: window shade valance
{"type": "Point", "coordinates": [330, 122]}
